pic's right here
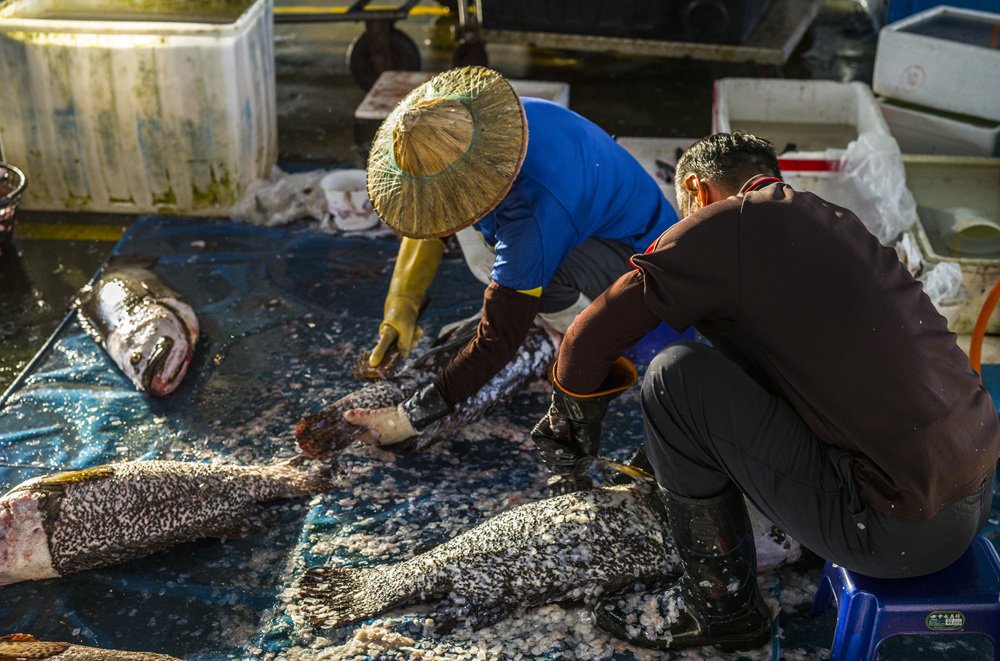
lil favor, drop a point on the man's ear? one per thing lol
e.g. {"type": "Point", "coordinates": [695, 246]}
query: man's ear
{"type": "Point", "coordinates": [691, 184]}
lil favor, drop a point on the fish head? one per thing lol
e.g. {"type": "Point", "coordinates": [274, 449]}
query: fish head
{"type": "Point", "coordinates": [156, 353]}
{"type": "Point", "coordinates": [24, 543]}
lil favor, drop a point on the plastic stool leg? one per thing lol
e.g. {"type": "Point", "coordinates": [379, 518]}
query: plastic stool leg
{"type": "Point", "coordinates": [854, 638]}
{"type": "Point", "coordinates": [824, 594]}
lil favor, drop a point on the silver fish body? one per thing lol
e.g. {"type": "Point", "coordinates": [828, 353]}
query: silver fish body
{"type": "Point", "coordinates": [143, 325]}
{"type": "Point", "coordinates": [68, 522]}
{"type": "Point", "coordinates": [24, 646]}
{"type": "Point", "coordinates": [325, 434]}
{"type": "Point", "coordinates": [556, 549]}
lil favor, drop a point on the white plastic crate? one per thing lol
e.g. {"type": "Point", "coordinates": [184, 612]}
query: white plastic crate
{"type": "Point", "coordinates": [168, 110]}
{"type": "Point", "coordinates": [803, 118]}
{"type": "Point", "coordinates": [919, 130]}
{"type": "Point", "coordinates": [941, 185]}
{"type": "Point", "coordinates": [942, 58]}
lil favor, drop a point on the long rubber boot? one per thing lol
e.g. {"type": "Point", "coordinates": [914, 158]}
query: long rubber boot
{"type": "Point", "coordinates": [716, 601]}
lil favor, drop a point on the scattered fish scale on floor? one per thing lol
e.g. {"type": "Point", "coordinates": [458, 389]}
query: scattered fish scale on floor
{"type": "Point", "coordinates": [143, 325]}
{"type": "Point", "coordinates": [572, 547]}
{"type": "Point", "coordinates": [57, 524]}
{"type": "Point", "coordinates": [323, 435]}
{"type": "Point", "coordinates": [25, 647]}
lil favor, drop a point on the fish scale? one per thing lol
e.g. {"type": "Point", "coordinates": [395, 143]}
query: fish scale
{"type": "Point", "coordinates": [323, 435]}
{"type": "Point", "coordinates": [24, 647]}
{"type": "Point", "coordinates": [75, 521]}
{"type": "Point", "coordinates": [568, 547]}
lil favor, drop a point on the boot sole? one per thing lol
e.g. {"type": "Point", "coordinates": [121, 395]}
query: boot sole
{"type": "Point", "coordinates": [726, 644]}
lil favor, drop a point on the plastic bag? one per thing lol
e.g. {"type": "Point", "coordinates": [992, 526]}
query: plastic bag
{"type": "Point", "coordinates": [909, 253]}
{"type": "Point", "coordinates": [943, 284]}
{"type": "Point", "coordinates": [873, 166]}
{"type": "Point", "coordinates": [281, 199]}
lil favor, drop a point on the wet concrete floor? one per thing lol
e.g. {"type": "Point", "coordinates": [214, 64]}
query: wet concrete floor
{"type": "Point", "coordinates": [54, 254]}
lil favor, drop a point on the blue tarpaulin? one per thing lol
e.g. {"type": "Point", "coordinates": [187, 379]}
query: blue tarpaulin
{"type": "Point", "coordinates": [283, 314]}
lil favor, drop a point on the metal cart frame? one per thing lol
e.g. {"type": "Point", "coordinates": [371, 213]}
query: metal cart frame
{"type": "Point", "coordinates": [379, 48]}
{"type": "Point", "coordinates": [772, 42]}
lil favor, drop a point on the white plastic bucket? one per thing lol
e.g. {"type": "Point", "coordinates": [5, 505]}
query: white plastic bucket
{"type": "Point", "coordinates": [347, 200]}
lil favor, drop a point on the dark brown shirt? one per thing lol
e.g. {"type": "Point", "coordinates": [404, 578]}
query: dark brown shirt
{"type": "Point", "coordinates": [799, 293]}
{"type": "Point", "coordinates": [506, 319]}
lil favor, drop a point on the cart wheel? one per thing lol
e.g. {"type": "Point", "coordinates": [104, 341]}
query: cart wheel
{"type": "Point", "coordinates": [469, 53]}
{"type": "Point", "coordinates": [403, 55]}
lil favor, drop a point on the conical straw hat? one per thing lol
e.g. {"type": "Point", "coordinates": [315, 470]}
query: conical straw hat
{"type": "Point", "coordinates": [448, 153]}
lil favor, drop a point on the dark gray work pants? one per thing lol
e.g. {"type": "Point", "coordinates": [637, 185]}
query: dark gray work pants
{"type": "Point", "coordinates": [708, 423]}
{"type": "Point", "coordinates": [590, 269]}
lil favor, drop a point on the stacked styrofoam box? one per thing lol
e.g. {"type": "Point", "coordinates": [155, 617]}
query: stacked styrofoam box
{"type": "Point", "coordinates": [797, 107]}
{"type": "Point", "coordinates": [947, 83]}
{"type": "Point", "coordinates": [921, 131]}
{"type": "Point", "coordinates": [110, 112]}
{"type": "Point", "coordinates": [804, 103]}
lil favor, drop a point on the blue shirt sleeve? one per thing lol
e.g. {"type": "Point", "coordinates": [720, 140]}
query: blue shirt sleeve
{"type": "Point", "coordinates": [527, 257]}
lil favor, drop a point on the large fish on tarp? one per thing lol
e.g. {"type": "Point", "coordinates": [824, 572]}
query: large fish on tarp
{"type": "Point", "coordinates": [566, 548]}
{"type": "Point", "coordinates": [323, 435]}
{"type": "Point", "coordinates": [143, 325]}
{"type": "Point", "coordinates": [68, 522]}
{"type": "Point", "coordinates": [21, 647]}
{"type": "Point", "coordinates": [556, 549]}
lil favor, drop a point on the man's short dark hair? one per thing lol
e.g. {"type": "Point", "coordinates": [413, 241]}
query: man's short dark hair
{"type": "Point", "coordinates": [728, 160]}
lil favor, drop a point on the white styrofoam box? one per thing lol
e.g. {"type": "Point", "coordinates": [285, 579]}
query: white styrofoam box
{"type": "Point", "coordinates": [919, 130]}
{"type": "Point", "coordinates": [658, 157]}
{"type": "Point", "coordinates": [391, 86]}
{"type": "Point", "coordinates": [118, 110]}
{"type": "Point", "coordinates": [941, 58]}
{"type": "Point", "coordinates": [942, 184]}
{"type": "Point", "coordinates": [803, 118]}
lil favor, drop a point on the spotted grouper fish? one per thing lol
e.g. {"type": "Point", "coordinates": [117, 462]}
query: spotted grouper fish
{"type": "Point", "coordinates": [568, 547]}
{"type": "Point", "coordinates": [21, 647]}
{"type": "Point", "coordinates": [325, 434]}
{"type": "Point", "coordinates": [143, 325]}
{"type": "Point", "coordinates": [68, 522]}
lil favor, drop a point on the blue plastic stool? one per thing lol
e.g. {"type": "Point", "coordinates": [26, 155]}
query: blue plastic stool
{"type": "Point", "coordinates": [960, 599]}
{"type": "Point", "coordinates": [652, 342]}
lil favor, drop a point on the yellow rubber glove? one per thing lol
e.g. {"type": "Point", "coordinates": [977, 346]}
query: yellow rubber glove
{"type": "Point", "coordinates": [416, 265]}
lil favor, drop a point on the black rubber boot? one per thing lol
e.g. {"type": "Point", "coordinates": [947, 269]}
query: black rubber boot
{"type": "Point", "coordinates": [716, 601]}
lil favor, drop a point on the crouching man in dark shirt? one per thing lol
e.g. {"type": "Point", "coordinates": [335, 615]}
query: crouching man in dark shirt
{"type": "Point", "coordinates": [833, 396]}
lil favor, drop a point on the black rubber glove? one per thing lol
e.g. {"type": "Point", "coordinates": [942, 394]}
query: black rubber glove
{"type": "Point", "coordinates": [568, 436]}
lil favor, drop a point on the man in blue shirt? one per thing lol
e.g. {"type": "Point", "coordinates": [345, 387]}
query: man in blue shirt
{"type": "Point", "coordinates": [546, 206]}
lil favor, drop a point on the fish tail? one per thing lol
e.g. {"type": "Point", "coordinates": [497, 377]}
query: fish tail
{"type": "Point", "coordinates": [324, 434]}
{"type": "Point", "coordinates": [304, 476]}
{"type": "Point", "coordinates": [321, 435]}
{"type": "Point", "coordinates": [332, 597]}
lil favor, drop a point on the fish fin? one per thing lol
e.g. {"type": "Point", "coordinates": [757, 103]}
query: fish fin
{"type": "Point", "coordinates": [331, 597]}
{"type": "Point", "coordinates": [26, 646]}
{"type": "Point", "coordinates": [75, 477]}
{"type": "Point", "coordinates": [449, 615]}
{"type": "Point", "coordinates": [306, 475]}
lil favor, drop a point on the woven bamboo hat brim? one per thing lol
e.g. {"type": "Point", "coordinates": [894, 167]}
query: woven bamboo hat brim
{"type": "Point", "coordinates": [448, 153]}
